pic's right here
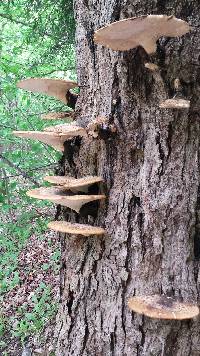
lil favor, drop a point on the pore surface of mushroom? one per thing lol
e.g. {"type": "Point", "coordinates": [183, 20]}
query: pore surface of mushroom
{"type": "Point", "coordinates": [50, 138]}
{"type": "Point", "coordinates": [163, 307]}
{"type": "Point", "coordinates": [58, 196]}
{"type": "Point", "coordinates": [75, 229]}
{"type": "Point", "coordinates": [57, 88]}
{"type": "Point", "coordinates": [175, 103]}
{"type": "Point", "coordinates": [74, 184]}
{"type": "Point", "coordinates": [140, 31]}
{"type": "Point", "coordinates": [68, 115]}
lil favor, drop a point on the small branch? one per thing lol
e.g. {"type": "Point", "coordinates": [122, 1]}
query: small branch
{"type": "Point", "coordinates": [24, 174]}
{"type": "Point", "coordinates": [9, 18]}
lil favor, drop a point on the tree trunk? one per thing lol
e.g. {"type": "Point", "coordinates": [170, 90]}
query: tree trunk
{"type": "Point", "coordinates": [151, 171]}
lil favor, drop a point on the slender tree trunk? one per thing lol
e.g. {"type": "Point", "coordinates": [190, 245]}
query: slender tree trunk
{"type": "Point", "coordinates": [151, 172]}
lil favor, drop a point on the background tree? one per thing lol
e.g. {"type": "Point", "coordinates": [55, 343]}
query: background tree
{"type": "Point", "coordinates": [151, 172]}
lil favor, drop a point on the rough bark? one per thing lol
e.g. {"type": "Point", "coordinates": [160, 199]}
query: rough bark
{"type": "Point", "coordinates": [151, 172]}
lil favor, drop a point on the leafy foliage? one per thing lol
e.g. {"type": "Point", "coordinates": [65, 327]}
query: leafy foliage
{"type": "Point", "coordinates": [36, 40]}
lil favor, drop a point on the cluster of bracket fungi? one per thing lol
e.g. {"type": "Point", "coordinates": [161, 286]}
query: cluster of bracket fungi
{"type": "Point", "coordinates": [121, 36]}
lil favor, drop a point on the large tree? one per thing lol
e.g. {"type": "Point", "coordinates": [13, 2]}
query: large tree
{"type": "Point", "coordinates": [151, 171]}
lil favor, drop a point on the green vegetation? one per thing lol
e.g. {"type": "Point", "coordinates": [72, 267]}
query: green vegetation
{"type": "Point", "coordinates": [36, 40]}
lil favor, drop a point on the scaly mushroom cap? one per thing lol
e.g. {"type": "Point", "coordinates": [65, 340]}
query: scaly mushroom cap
{"type": "Point", "coordinates": [75, 229]}
{"type": "Point", "coordinates": [68, 115]}
{"type": "Point", "coordinates": [162, 307]}
{"type": "Point", "coordinates": [175, 104]}
{"type": "Point", "coordinates": [59, 196]}
{"type": "Point", "coordinates": [53, 87]}
{"type": "Point", "coordinates": [67, 129]}
{"type": "Point", "coordinates": [75, 185]}
{"type": "Point", "coordinates": [140, 31]}
{"type": "Point", "coordinates": [50, 138]}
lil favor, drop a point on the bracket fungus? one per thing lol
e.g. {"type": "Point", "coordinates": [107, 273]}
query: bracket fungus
{"type": "Point", "coordinates": [54, 139]}
{"type": "Point", "coordinates": [175, 103]}
{"type": "Point", "coordinates": [70, 130]}
{"type": "Point", "coordinates": [74, 184]}
{"type": "Point", "coordinates": [140, 31]}
{"type": "Point", "coordinates": [68, 115]}
{"type": "Point", "coordinates": [57, 88]}
{"type": "Point", "coordinates": [58, 196]}
{"type": "Point", "coordinates": [163, 307]}
{"type": "Point", "coordinates": [75, 229]}
{"type": "Point", "coordinates": [151, 66]}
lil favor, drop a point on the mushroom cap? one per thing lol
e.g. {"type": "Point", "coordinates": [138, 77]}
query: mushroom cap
{"type": "Point", "coordinates": [151, 66]}
{"type": "Point", "coordinates": [58, 195]}
{"type": "Point", "coordinates": [163, 307]}
{"type": "Point", "coordinates": [68, 129]}
{"type": "Point", "coordinates": [50, 138]}
{"type": "Point", "coordinates": [52, 87]}
{"type": "Point", "coordinates": [46, 192]}
{"type": "Point", "coordinates": [74, 184]}
{"type": "Point", "coordinates": [140, 31]}
{"type": "Point", "coordinates": [69, 115]}
{"type": "Point", "coordinates": [75, 229]}
{"type": "Point", "coordinates": [175, 104]}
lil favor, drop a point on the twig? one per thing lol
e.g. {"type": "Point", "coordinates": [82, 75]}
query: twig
{"type": "Point", "coordinates": [24, 174]}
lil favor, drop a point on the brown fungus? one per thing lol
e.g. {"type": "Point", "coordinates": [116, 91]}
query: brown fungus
{"type": "Point", "coordinates": [163, 307]}
{"type": "Point", "coordinates": [74, 184]}
{"type": "Point", "coordinates": [175, 103]}
{"type": "Point", "coordinates": [74, 202]}
{"type": "Point", "coordinates": [68, 115]}
{"type": "Point", "coordinates": [75, 229]}
{"type": "Point", "coordinates": [68, 129]}
{"type": "Point", "coordinates": [57, 88]}
{"type": "Point", "coordinates": [140, 31]}
{"type": "Point", "coordinates": [52, 139]}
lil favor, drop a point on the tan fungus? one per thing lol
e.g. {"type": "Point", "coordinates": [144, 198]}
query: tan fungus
{"type": "Point", "coordinates": [163, 307]}
{"type": "Point", "coordinates": [74, 184]}
{"type": "Point", "coordinates": [175, 103]}
{"type": "Point", "coordinates": [140, 31]}
{"type": "Point", "coordinates": [53, 87]}
{"type": "Point", "coordinates": [75, 229]}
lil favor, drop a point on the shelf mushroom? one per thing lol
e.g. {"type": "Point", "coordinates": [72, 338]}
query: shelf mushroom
{"type": "Point", "coordinates": [175, 103]}
{"type": "Point", "coordinates": [69, 129]}
{"type": "Point", "coordinates": [151, 66]}
{"type": "Point", "coordinates": [75, 229]}
{"type": "Point", "coordinates": [57, 195]}
{"type": "Point", "coordinates": [50, 138]}
{"type": "Point", "coordinates": [53, 138]}
{"type": "Point", "coordinates": [74, 184]}
{"type": "Point", "coordinates": [140, 31]}
{"type": "Point", "coordinates": [68, 115]}
{"type": "Point", "coordinates": [57, 88]}
{"type": "Point", "coordinates": [163, 307]}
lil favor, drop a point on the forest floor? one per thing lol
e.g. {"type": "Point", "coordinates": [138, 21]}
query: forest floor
{"type": "Point", "coordinates": [29, 287]}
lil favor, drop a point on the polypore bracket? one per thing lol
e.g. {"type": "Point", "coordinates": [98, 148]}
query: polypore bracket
{"type": "Point", "coordinates": [140, 31]}
{"type": "Point", "coordinates": [57, 88]}
{"type": "Point", "coordinates": [75, 229]}
{"type": "Point", "coordinates": [50, 138]}
{"type": "Point", "coordinates": [101, 127]}
{"type": "Point", "coordinates": [57, 195]}
{"type": "Point", "coordinates": [74, 184]}
{"type": "Point", "coordinates": [67, 129]}
{"type": "Point", "coordinates": [177, 102]}
{"type": "Point", "coordinates": [68, 115]}
{"type": "Point", "coordinates": [163, 307]}
{"type": "Point", "coordinates": [55, 137]}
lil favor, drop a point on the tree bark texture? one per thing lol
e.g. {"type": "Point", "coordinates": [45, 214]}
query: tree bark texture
{"type": "Point", "coordinates": [151, 172]}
